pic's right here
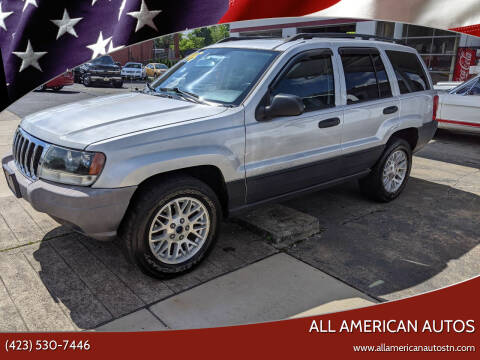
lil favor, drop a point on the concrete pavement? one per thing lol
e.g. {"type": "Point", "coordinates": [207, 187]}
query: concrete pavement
{"type": "Point", "coordinates": [53, 279]}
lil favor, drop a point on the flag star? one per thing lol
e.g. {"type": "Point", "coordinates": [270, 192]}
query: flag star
{"type": "Point", "coordinates": [66, 24]}
{"type": "Point", "coordinates": [144, 17]}
{"type": "Point", "coordinates": [29, 57]}
{"type": "Point", "coordinates": [3, 16]}
{"type": "Point", "coordinates": [122, 7]}
{"type": "Point", "coordinates": [94, 1]}
{"type": "Point", "coordinates": [29, 2]}
{"type": "Point", "coordinates": [99, 47]}
{"type": "Point", "coordinates": [111, 48]}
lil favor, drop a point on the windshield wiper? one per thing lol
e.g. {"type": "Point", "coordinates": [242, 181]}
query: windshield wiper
{"type": "Point", "coordinates": [185, 94]}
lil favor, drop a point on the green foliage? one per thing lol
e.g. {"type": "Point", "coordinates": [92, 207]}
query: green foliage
{"type": "Point", "coordinates": [202, 37]}
{"type": "Point", "coordinates": [219, 32]}
{"type": "Point", "coordinates": [191, 41]}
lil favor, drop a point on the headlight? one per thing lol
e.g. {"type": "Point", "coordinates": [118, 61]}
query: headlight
{"type": "Point", "coordinates": [71, 166]}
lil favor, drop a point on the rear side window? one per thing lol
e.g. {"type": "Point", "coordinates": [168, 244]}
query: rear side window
{"type": "Point", "coordinates": [312, 80]}
{"type": "Point", "coordinates": [365, 75]}
{"type": "Point", "coordinates": [409, 71]}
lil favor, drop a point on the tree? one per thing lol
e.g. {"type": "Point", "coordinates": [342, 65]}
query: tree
{"type": "Point", "coordinates": [219, 32]}
{"type": "Point", "coordinates": [191, 41]}
{"type": "Point", "coordinates": [195, 39]}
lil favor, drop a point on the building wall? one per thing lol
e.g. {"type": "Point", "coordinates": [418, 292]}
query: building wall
{"type": "Point", "coordinates": [437, 47]}
{"type": "Point", "coordinates": [142, 52]}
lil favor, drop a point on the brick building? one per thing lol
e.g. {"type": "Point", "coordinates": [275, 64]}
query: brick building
{"type": "Point", "coordinates": [142, 52]}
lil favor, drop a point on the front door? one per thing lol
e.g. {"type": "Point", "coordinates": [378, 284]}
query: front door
{"type": "Point", "coordinates": [290, 153]}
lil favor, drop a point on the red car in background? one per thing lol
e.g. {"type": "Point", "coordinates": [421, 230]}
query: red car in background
{"type": "Point", "coordinates": [59, 82]}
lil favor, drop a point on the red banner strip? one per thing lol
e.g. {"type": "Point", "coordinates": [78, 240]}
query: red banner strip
{"type": "Point", "coordinates": [248, 9]}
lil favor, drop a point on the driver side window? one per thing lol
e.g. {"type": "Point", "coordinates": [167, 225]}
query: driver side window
{"type": "Point", "coordinates": [312, 80]}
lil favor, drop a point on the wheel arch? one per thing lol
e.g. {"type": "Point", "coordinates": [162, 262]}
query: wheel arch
{"type": "Point", "coordinates": [410, 135]}
{"type": "Point", "coordinates": [209, 174]}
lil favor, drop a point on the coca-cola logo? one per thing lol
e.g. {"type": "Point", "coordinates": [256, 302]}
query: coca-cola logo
{"type": "Point", "coordinates": [464, 62]}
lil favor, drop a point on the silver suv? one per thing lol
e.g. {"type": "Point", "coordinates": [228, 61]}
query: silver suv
{"type": "Point", "coordinates": [234, 125]}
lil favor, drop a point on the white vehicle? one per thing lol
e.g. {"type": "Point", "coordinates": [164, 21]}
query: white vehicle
{"type": "Point", "coordinates": [447, 85]}
{"type": "Point", "coordinates": [133, 70]}
{"type": "Point", "coordinates": [459, 109]}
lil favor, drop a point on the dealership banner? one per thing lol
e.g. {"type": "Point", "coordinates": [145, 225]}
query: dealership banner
{"type": "Point", "coordinates": [41, 39]}
{"type": "Point", "coordinates": [443, 324]}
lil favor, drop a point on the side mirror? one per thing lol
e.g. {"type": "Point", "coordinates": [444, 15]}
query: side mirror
{"type": "Point", "coordinates": [282, 105]}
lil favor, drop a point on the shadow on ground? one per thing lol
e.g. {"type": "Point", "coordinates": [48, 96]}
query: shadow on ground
{"type": "Point", "coordinates": [454, 148]}
{"type": "Point", "coordinates": [60, 92]}
{"type": "Point", "coordinates": [96, 284]}
{"type": "Point", "coordinates": [378, 248]}
{"type": "Point", "coordinates": [382, 249]}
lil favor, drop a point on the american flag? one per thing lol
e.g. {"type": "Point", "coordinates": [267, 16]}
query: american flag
{"type": "Point", "coordinates": [40, 39]}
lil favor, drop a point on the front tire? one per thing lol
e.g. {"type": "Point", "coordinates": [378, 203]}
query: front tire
{"type": "Point", "coordinates": [171, 226]}
{"type": "Point", "coordinates": [390, 175]}
{"type": "Point", "coordinates": [87, 81]}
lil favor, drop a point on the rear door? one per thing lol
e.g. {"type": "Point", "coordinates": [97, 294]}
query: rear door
{"type": "Point", "coordinates": [416, 94]}
{"type": "Point", "coordinates": [370, 107]}
{"type": "Point", "coordinates": [290, 153]}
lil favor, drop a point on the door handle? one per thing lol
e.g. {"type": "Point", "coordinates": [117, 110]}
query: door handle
{"type": "Point", "coordinates": [329, 123]}
{"type": "Point", "coordinates": [390, 110]}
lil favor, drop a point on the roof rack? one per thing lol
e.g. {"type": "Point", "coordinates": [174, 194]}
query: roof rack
{"type": "Point", "coordinates": [238, 38]}
{"type": "Point", "coordinates": [307, 36]}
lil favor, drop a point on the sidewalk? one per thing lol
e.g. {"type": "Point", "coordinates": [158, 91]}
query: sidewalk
{"type": "Point", "coordinates": [276, 288]}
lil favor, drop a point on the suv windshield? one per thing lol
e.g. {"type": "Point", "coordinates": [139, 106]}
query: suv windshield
{"type": "Point", "coordinates": [221, 75]}
{"type": "Point", "coordinates": [104, 60]}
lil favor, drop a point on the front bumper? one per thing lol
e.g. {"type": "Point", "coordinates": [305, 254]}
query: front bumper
{"type": "Point", "coordinates": [94, 212]}
{"type": "Point", "coordinates": [105, 79]}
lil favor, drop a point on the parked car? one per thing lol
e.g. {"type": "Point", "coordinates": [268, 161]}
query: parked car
{"type": "Point", "coordinates": [155, 69]}
{"type": "Point", "coordinates": [101, 70]}
{"type": "Point", "coordinates": [459, 109]}
{"type": "Point", "coordinates": [59, 82]}
{"type": "Point", "coordinates": [133, 70]}
{"type": "Point", "coordinates": [161, 167]}
{"type": "Point", "coordinates": [446, 85]}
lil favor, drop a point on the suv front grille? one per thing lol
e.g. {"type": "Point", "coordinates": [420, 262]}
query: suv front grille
{"type": "Point", "coordinates": [27, 152]}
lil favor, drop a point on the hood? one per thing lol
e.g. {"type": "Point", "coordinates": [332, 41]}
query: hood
{"type": "Point", "coordinates": [80, 124]}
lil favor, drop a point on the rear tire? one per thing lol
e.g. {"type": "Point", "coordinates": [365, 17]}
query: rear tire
{"type": "Point", "coordinates": [165, 221]}
{"type": "Point", "coordinates": [390, 175]}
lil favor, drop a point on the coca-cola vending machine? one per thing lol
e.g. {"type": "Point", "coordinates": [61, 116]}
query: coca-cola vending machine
{"type": "Point", "coordinates": [466, 57]}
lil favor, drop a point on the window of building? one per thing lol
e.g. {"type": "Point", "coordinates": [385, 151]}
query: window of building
{"type": "Point", "coordinates": [312, 80]}
{"type": "Point", "coordinates": [365, 77]}
{"type": "Point", "coordinates": [271, 33]}
{"type": "Point", "coordinates": [437, 47]}
{"type": "Point", "coordinates": [409, 70]}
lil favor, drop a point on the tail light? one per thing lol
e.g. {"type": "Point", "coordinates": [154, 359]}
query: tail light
{"type": "Point", "coordinates": [435, 107]}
